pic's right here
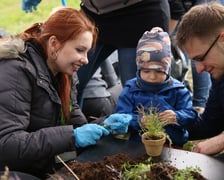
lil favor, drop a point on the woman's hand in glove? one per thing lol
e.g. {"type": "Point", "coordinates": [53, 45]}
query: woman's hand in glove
{"type": "Point", "coordinates": [89, 134]}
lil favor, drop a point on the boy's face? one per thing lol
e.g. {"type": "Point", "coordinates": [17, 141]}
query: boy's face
{"type": "Point", "coordinates": [152, 76]}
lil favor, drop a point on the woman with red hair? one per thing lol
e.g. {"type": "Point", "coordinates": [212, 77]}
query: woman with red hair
{"type": "Point", "coordinates": [39, 116]}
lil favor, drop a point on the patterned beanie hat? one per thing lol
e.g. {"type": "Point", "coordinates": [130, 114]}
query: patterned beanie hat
{"type": "Point", "coordinates": [154, 51]}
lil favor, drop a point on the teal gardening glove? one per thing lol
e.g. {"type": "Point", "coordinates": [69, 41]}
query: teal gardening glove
{"type": "Point", "coordinates": [117, 123]}
{"type": "Point", "coordinates": [89, 134]}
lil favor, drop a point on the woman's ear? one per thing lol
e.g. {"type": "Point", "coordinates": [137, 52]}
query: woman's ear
{"type": "Point", "coordinates": [53, 47]}
{"type": "Point", "coordinates": [53, 43]}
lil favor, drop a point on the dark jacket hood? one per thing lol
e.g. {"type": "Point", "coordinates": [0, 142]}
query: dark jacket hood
{"type": "Point", "coordinates": [11, 48]}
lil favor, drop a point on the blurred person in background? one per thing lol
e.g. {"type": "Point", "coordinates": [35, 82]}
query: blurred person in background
{"type": "Point", "coordinates": [99, 98]}
{"type": "Point", "coordinates": [120, 24]}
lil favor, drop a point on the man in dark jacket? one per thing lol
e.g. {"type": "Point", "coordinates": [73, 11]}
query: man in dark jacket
{"type": "Point", "coordinates": [201, 35]}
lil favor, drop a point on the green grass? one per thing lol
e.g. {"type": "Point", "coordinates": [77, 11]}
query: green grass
{"type": "Point", "coordinates": [14, 20]}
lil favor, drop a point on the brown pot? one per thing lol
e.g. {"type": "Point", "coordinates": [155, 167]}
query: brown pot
{"type": "Point", "coordinates": [153, 147]}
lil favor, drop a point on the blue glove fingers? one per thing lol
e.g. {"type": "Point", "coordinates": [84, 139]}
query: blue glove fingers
{"type": "Point", "coordinates": [122, 118]}
{"type": "Point", "coordinates": [104, 131]}
{"type": "Point", "coordinates": [119, 128]}
{"type": "Point", "coordinates": [118, 123]}
{"type": "Point", "coordinates": [112, 119]}
{"type": "Point", "coordinates": [89, 134]}
{"type": "Point", "coordinates": [99, 131]}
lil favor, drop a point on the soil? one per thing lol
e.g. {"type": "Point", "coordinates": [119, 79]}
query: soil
{"type": "Point", "coordinates": [111, 168]}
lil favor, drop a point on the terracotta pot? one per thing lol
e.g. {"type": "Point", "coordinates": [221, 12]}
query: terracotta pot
{"type": "Point", "coordinates": [153, 147]}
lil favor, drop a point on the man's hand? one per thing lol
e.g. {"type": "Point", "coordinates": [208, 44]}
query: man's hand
{"type": "Point", "coordinates": [210, 146]}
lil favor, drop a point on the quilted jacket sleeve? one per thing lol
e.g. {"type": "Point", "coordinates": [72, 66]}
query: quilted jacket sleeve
{"type": "Point", "coordinates": [21, 148]}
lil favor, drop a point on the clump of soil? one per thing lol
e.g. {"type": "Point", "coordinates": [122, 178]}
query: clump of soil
{"type": "Point", "coordinates": [111, 168]}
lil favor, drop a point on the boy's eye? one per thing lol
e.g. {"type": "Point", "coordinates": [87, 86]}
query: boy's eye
{"type": "Point", "coordinates": [160, 72]}
{"type": "Point", "coordinates": [146, 71]}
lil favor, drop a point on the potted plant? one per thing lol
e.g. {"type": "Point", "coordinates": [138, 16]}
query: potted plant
{"type": "Point", "coordinates": [153, 134]}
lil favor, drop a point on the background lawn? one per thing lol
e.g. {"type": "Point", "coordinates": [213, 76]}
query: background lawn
{"type": "Point", "coordinates": [14, 20]}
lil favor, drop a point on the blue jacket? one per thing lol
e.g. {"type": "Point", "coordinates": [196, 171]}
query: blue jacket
{"type": "Point", "coordinates": [175, 96]}
{"type": "Point", "coordinates": [211, 122]}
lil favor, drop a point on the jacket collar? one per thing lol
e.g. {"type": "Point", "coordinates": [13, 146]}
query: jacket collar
{"type": "Point", "coordinates": [11, 47]}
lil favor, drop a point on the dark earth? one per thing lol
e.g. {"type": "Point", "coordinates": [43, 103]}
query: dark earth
{"type": "Point", "coordinates": [111, 168]}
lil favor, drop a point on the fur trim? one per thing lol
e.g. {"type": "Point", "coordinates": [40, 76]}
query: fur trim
{"type": "Point", "coordinates": [11, 47]}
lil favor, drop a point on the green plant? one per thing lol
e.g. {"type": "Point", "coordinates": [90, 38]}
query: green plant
{"type": "Point", "coordinates": [137, 171]}
{"type": "Point", "coordinates": [189, 146]}
{"type": "Point", "coordinates": [186, 173]}
{"type": "Point", "coordinates": [150, 123]}
{"type": "Point", "coordinates": [141, 171]}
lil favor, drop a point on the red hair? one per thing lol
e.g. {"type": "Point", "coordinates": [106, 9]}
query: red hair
{"type": "Point", "coordinates": [66, 24]}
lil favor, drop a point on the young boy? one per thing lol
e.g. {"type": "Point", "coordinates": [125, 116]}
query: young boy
{"type": "Point", "coordinates": [153, 86]}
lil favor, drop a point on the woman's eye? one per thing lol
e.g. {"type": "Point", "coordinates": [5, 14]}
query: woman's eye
{"type": "Point", "coordinates": [80, 50]}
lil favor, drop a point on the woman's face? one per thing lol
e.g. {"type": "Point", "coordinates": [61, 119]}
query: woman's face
{"type": "Point", "coordinates": [152, 76]}
{"type": "Point", "coordinates": [72, 55]}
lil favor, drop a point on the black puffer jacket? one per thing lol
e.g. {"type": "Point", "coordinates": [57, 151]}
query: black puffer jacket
{"type": "Point", "coordinates": [30, 135]}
